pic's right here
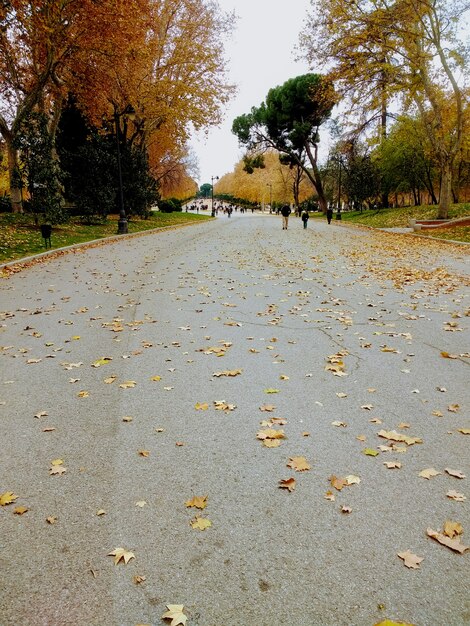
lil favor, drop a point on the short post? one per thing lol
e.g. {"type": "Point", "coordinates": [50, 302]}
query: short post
{"type": "Point", "coordinates": [46, 231]}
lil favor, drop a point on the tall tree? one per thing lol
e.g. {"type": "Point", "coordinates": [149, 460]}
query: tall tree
{"type": "Point", "coordinates": [289, 121]}
{"type": "Point", "coordinates": [408, 47]}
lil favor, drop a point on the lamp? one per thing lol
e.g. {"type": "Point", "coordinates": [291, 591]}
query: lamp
{"type": "Point", "coordinates": [212, 194]}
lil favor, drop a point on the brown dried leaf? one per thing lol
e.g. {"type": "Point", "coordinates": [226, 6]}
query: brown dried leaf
{"type": "Point", "coordinates": [287, 483]}
{"type": "Point", "coordinates": [455, 473]}
{"type": "Point", "coordinates": [410, 560]}
{"type": "Point", "coordinates": [453, 544]}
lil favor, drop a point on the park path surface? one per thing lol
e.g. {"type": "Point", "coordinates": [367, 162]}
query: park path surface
{"type": "Point", "coordinates": [339, 334]}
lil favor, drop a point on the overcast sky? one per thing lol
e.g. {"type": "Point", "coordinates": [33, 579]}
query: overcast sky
{"type": "Point", "coordinates": [261, 55]}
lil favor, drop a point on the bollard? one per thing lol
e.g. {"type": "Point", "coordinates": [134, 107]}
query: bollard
{"type": "Point", "coordinates": [46, 231]}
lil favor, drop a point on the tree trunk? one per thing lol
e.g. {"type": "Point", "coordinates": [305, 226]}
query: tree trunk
{"type": "Point", "coordinates": [14, 177]}
{"type": "Point", "coordinates": [445, 196]}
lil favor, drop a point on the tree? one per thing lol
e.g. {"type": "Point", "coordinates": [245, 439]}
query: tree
{"type": "Point", "coordinates": [38, 169]}
{"type": "Point", "coordinates": [408, 47]}
{"type": "Point", "coordinates": [44, 50]}
{"type": "Point", "coordinates": [289, 121]}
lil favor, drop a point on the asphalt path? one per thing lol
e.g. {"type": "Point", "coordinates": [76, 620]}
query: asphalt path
{"type": "Point", "coordinates": [337, 332]}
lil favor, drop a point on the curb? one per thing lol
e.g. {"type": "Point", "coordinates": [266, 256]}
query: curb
{"type": "Point", "coordinates": [409, 234]}
{"type": "Point", "coordinates": [18, 264]}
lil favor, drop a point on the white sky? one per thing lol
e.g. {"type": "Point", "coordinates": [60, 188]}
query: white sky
{"type": "Point", "coordinates": [261, 55]}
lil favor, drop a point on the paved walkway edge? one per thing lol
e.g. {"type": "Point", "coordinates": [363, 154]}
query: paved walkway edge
{"type": "Point", "coordinates": [94, 243]}
{"type": "Point", "coordinates": [408, 234]}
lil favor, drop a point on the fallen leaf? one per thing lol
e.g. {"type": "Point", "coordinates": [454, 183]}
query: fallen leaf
{"type": "Point", "coordinates": [361, 438]}
{"type": "Point", "coordinates": [100, 512]}
{"type": "Point", "coordinates": [329, 495]}
{"type": "Point", "coordinates": [464, 431]}
{"type": "Point", "coordinates": [351, 479]}
{"type": "Point", "coordinates": [20, 510]}
{"type": "Point", "coordinates": [370, 452]}
{"type": "Point", "coordinates": [299, 464]}
{"type": "Point", "coordinates": [271, 443]}
{"type": "Point", "coordinates": [127, 418]}
{"type": "Point", "coordinates": [83, 394]}
{"type": "Point", "coordinates": [49, 429]}
{"type": "Point", "coordinates": [410, 560]}
{"type": "Point", "coordinates": [271, 390]}
{"type": "Point", "coordinates": [428, 473]}
{"type": "Point", "coordinates": [144, 453]}
{"type": "Point", "coordinates": [175, 613]}
{"type": "Point", "coordinates": [392, 464]}
{"type": "Point", "coordinates": [137, 580]}
{"type": "Point", "coordinates": [337, 483]}
{"type": "Point", "coordinates": [198, 502]}
{"type": "Point", "coordinates": [367, 407]}
{"type": "Point", "coordinates": [453, 408]}
{"type": "Point", "coordinates": [156, 378]}
{"type": "Point", "coordinates": [451, 529]}
{"type": "Point", "coordinates": [339, 424]}
{"type": "Point", "coordinates": [121, 554]}
{"type": "Point", "coordinates": [346, 509]}
{"type": "Point", "coordinates": [446, 355]}
{"type": "Point", "coordinates": [388, 622]}
{"type": "Point", "coordinates": [342, 395]}
{"type": "Point", "coordinates": [51, 520]}
{"type": "Point", "coordinates": [41, 414]}
{"type": "Point", "coordinates": [201, 406]}
{"type": "Point", "coordinates": [453, 544]}
{"type": "Point", "coordinates": [128, 384]}
{"type": "Point", "coordinates": [268, 408]}
{"type": "Point", "coordinates": [110, 380]}
{"type": "Point", "coordinates": [455, 473]}
{"type": "Point", "coordinates": [270, 433]}
{"type": "Point", "coordinates": [287, 483]}
{"type": "Point", "coordinates": [394, 436]}
{"type": "Point", "coordinates": [200, 523]}
{"type": "Point", "coordinates": [229, 373]}
{"type": "Point", "coordinates": [57, 470]}
{"type": "Point", "coordinates": [104, 361]}
{"type": "Point", "coordinates": [141, 503]}
{"type": "Point", "coordinates": [455, 495]}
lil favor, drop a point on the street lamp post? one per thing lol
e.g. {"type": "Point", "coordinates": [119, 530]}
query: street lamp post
{"type": "Point", "coordinates": [270, 196]}
{"type": "Point", "coordinates": [212, 194]}
{"type": "Point", "coordinates": [338, 211]}
{"type": "Point", "coordinates": [122, 223]}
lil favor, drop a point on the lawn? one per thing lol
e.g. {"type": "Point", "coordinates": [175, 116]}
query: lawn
{"type": "Point", "coordinates": [399, 218]}
{"type": "Point", "coordinates": [19, 237]}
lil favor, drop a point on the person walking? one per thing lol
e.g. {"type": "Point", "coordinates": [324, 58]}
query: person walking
{"type": "Point", "coordinates": [304, 217]}
{"type": "Point", "coordinates": [285, 212]}
{"type": "Point", "coordinates": [329, 214]}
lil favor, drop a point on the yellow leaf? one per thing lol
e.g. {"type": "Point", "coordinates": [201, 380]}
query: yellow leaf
{"type": "Point", "coordinates": [271, 443]}
{"type": "Point", "coordinates": [20, 510]}
{"type": "Point", "coordinates": [200, 523]}
{"type": "Point", "coordinates": [370, 452]}
{"type": "Point", "coordinates": [144, 453]}
{"type": "Point", "coordinates": [57, 462]}
{"type": "Point", "coordinates": [198, 502]}
{"type": "Point", "coordinates": [387, 622]}
{"type": "Point", "coordinates": [451, 529]}
{"type": "Point", "coordinates": [270, 433]}
{"type": "Point", "coordinates": [103, 361]}
{"type": "Point", "coordinates": [121, 554]}
{"type": "Point", "coordinates": [299, 464]}
{"type": "Point", "coordinates": [156, 378]}
{"type": "Point", "coordinates": [7, 498]}
{"type": "Point", "coordinates": [464, 431]}
{"type": "Point", "coordinates": [394, 436]}
{"type": "Point", "coordinates": [110, 380]}
{"type": "Point", "coordinates": [201, 406]}
{"type": "Point", "coordinates": [175, 613]}
{"type": "Point", "coordinates": [270, 390]}
{"type": "Point", "coordinates": [83, 394]}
